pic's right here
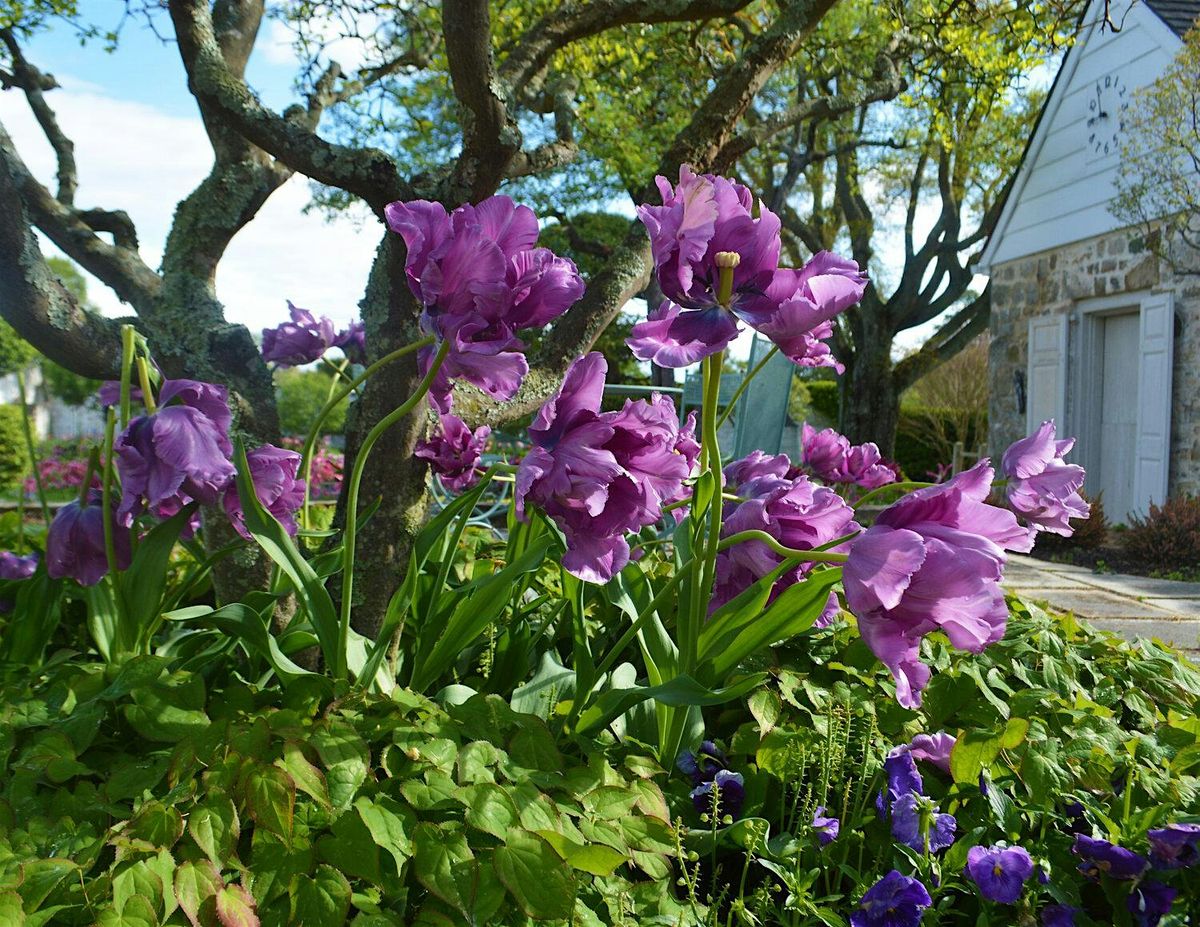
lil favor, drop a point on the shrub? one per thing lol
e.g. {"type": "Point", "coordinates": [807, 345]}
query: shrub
{"type": "Point", "coordinates": [300, 395]}
{"type": "Point", "coordinates": [14, 458]}
{"type": "Point", "coordinates": [1168, 539]}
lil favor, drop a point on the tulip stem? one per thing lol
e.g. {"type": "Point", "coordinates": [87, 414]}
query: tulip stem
{"type": "Point", "coordinates": [791, 553]}
{"type": "Point", "coordinates": [712, 454]}
{"type": "Point", "coordinates": [143, 370]}
{"type": "Point", "coordinates": [128, 336]}
{"type": "Point", "coordinates": [737, 393]}
{"type": "Point", "coordinates": [110, 546]}
{"type": "Point", "coordinates": [314, 432]}
{"type": "Point", "coordinates": [352, 489]}
{"type": "Point", "coordinates": [907, 486]}
{"type": "Point", "coordinates": [27, 427]}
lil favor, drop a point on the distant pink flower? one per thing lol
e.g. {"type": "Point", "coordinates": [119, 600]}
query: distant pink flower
{"type": "Point", "coordinates": [480, 279]}
{"type": "Point", "coordinates": [1042, 489]}
{"type": "Point", "coordinates": [705, 231]}
{"type": "Point", "coordinates": [932, 561]}
{"type": "Point", "coordinates": [600, 475]}
{"type": "Point", "coordinates": [454, 452]}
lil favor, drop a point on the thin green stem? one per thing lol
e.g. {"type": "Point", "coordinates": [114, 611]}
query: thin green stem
{"type": "Point", "coordinates": [143, 369]}
{"type": "Point", "coordinates": [643, 616]}
{"type": "Point", "coordinates": [891, 487]}
{"type": "Point", "coordinates": [314, 432]}
{"type": "Point", "coordinates": [816, 556]}
{"type": "Point", "coordinates": [338, 369]}
{"type": "Point", "coordinates": [30, 447]}
{"type": "Point", "coordinates": [352, 490]}
{"type": "Point", "coordinates": [715, 510]}
{"type": "Point", "coordinates": [106, 486]}
{"type": "Point", "coordinates": [128, 337]}
{"type": "Point", "coordinates": [737, 393]}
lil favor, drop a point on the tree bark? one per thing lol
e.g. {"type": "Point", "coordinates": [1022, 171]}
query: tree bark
{"type": "Point", "coordinates": [870, 402]}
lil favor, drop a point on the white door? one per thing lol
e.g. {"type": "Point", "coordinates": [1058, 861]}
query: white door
{"type": "Point", "coordinates": [1120, 359]}
{"type": "Point", "coordinates": [1153, 442]}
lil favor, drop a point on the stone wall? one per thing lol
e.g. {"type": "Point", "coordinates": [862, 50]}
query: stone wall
{"type": "Point", "coordinates": [1053, 282]}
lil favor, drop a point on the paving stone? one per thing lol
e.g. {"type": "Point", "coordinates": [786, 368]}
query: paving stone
{"type": "Point", "coordinates": [1142, 587]}
{"type": "Point", "coordinates": [1048, 566]}
{"type": "Point", "coordinates": [1181, 608]}
{"type": "Point", "coordinates": [1182, 634]}
{"type": "Point", "coordinates": [1037, 581]}
{"type": "Point", "coordinates": [1096, 603]}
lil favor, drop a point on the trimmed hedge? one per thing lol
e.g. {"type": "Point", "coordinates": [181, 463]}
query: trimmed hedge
{"type": "Point", "coordinates": [14, 458]}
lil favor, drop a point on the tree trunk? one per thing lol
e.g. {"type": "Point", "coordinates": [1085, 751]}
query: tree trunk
{"type": "Point", "coordinates": [870, 403]}
{"type": "Point", "coordinates": [393, 477]}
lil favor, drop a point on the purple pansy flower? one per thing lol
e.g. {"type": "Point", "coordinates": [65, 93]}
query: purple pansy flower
{"type": "Point", "coordinates": [933, 748]}
{"type": "Point", "coordinates": [75, 543]}
{"type": "Point", "coordinates": [1176, 846]}
{"type": "Point", "coordinates": [1042, 489]}
{"type": "Point", "coordinates": [703, 764]}
{"type": "Point", "coordinates": [896, 900]}
{"type": "Point", "coordinates": [832, 458]}
{"type": "Point", "coordinates": [273, 471]}
{"type": "Point", "coordinates": [717, 263]}
{"type": "Point", "coordinates": [999, 871]}
{"type": "Point", "coordinates": [1150, 902]}
{"type": "Point", "coordinates": [454, 452]}
{"type": "Point", "coordinates": [301, 341]}
{"type": "Point", "coordinates": [1100, 856]}
{"type": "Point", "coordinates": [480, 278]}
{"type": "Point", "coordinates": [1059, 915]}
{"type": "Point", "coordinates": [14, 566]}
{"type": "Point", "coordinates": [793, 510]}
{"type": "Point", "coordinates": [932, 561]}
{"type": "Point", "coordinates": [178, 451]}
{"type": "Point", "coordinates": [914, 817]}
{"type": "Point", "coordinates": [827, 829]}
{"type": "Point", "coordinates": [602, 475]}
{"type": "Point", "coordinates": [730, 789]}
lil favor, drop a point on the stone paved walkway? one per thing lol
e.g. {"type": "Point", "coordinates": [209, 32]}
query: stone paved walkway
{"type": "Point", "coordinates": [1133, 606]}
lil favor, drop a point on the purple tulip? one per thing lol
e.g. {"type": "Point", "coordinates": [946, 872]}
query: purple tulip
{"type": "Point", "coordinates": [75, 543]}
{"type": "Point", "coordinates": [602, 475]}
{"type": "Point", "coordinates": [480, 279]}
{"type": "Point", "coordinates": [454, 452]}
{"type": "Point", "coordinates": [932, 561]}
{"type": "Point", "coordinates": [353, 342]}
{"type": "Point", "coordinates": [832, 458]}
{"type": "Point", "coordinates": [933, 748]}
{"type": "Point", "coordinates": [273, 471]}
{"type": "Point", "coordinates": [14, 566]}
{"type": "Point", "coordinates": [730, 793]}
{"type": "Point", "coordinates": [999, 871]}
{"type": "Point", "coordinates": [179, 451]}
{"type": "Point", "coordinates": [109, 393]}
{"type": "Point", "coordinates": [793, 510]}
{"type": "Point", "coordinates": [301, 341]}
{"type": "Point", "coordinates": [717, 263]}
{"type": "Point", "coordinates": [1042, 489]}
{"type": "Point", "coordinates": [1150, 902]}
{"type": "Point", "coordinates": [1059, 915]}
{"type": "Point", "coordinates": [894, 901]}
{"type": "Point", "coordinates": [827, 829]}
{"type": "Point", "coordinates": [914, 817]}
{"type": "Point", "coordinates": [1100, 856]}
{"type": "Point", "coordinates": [1176, 846]}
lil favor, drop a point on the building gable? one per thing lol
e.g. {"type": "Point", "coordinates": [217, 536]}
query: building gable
{"type": "Point", "coordinates": [1067, 179]}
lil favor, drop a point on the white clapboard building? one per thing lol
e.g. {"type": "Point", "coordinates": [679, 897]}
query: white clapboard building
{"type": "Point", "coordinates": [1089, 328]}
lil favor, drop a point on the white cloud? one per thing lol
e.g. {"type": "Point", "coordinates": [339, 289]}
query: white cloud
{"type": "Point", "coordinates": [134, 157]}
{"type": "Point", "coordinates": [278, 45]}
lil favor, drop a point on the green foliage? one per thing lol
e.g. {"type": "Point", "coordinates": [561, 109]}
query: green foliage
{"type": "Point", "coordinates": [14, 455]}
{"type": "Point", "coordinates": [15, 352]}
{"type": "Point", "coordinates": [134, 792]}
{"type": "Point", "coordinates": [300, 394]}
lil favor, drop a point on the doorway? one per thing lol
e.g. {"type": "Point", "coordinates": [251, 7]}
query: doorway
{"type": "Point", "coordinates": [1117, 352]}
